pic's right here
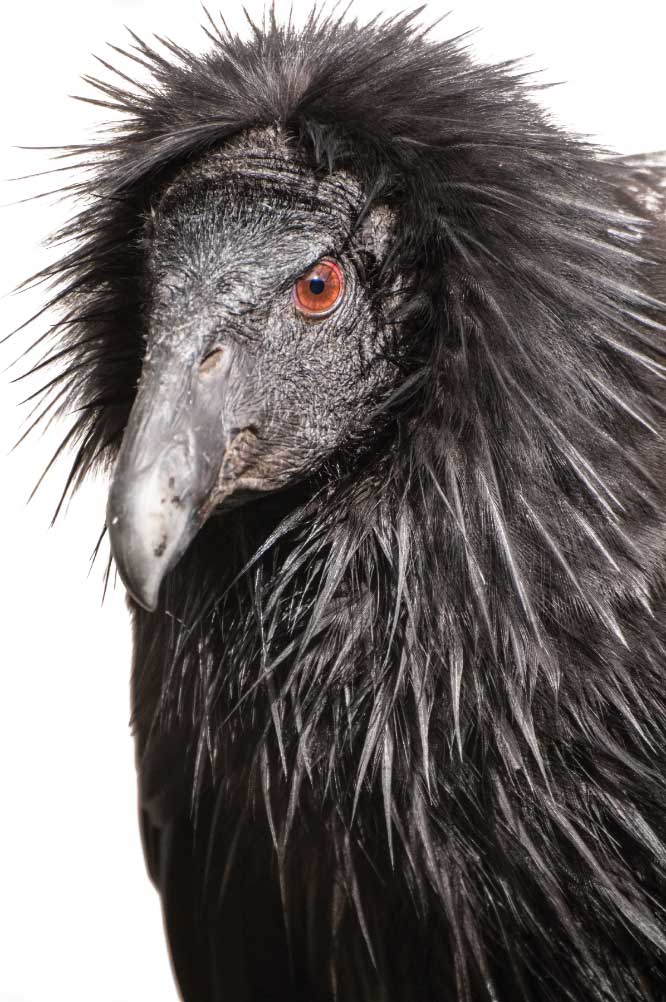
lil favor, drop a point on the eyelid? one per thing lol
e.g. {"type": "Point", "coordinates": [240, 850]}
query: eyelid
{"type": "Point", "coordinates": [295, 275]}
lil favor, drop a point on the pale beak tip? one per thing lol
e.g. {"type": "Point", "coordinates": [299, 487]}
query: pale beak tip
{"type": "Point", "coordinates": [142, 578]}
{"type": "Point", "coordinates": [145, 542]}
{"type": "Point", "coordinates": [145, 594]}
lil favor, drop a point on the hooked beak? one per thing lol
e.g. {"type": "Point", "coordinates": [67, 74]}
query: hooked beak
{"type": "Point", "coordinates": [166, 479]}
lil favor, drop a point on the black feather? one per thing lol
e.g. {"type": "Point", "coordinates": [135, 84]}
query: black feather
{"type": "Point", "coordinates": [400, 727]}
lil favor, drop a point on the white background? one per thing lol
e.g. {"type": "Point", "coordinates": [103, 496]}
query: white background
{"type": "Point", "coordinates": [78, 919]}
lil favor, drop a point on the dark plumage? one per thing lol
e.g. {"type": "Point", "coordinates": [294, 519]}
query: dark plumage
{"type": "Point", "coordinates": [400, 707]}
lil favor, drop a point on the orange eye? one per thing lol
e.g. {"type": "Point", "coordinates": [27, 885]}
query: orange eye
{"type": "Point", "coordinates": [320, 290]}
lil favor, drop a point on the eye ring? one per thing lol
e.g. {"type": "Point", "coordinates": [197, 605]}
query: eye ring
{"type": "Point", "coordinates": [320, 290]}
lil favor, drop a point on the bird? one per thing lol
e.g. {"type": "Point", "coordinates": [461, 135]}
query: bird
{"type": "Point", "coordinates": [373, 353]}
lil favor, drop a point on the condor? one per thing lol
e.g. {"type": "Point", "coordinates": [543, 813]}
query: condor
{"type": "Point", "coordinates": [376, 355]}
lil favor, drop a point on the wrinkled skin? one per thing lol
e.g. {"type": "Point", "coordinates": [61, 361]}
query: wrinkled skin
{"type": "Point", "coordinates": [241, 393]}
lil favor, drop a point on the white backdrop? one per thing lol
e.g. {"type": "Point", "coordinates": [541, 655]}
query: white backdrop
{"type": "Point", "coordinates": [78, 919]}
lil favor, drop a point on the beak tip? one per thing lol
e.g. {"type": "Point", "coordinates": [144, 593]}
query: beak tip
{"type": "Point", "coordinates": [142, 581]}
{"type": "Point", "coordinates": [146, 597]}
{"type": "Point", "coordinates": [140, 564]}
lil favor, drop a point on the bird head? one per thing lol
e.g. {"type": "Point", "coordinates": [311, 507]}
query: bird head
{"type": "Point", "coordinates": [296, 242]}
{"type": "Point", "coordinates": [265, 347]}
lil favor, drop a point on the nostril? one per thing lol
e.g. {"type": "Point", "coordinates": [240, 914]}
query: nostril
{"type": "Point", "coordinates": [211, 360]}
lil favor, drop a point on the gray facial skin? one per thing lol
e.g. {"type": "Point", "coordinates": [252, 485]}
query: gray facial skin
{"type": "Point", "coordinates": [240, 393]}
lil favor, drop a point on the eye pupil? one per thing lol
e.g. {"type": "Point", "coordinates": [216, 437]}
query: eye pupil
{"type": "Point", "coordinates": [317, 286]}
